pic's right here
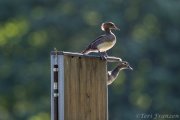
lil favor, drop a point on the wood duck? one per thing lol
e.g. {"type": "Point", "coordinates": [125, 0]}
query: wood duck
{"type": "Point", "coordinates": [112, 75]}
{"type": "Point", "coordinates": [103, 42]}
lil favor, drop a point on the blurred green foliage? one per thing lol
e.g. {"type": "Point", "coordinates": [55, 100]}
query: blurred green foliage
{"type": "Point", "coordinates": [149, 39]}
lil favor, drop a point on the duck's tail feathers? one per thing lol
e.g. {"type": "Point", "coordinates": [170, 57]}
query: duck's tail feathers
{"type": "Point", "coordinates": [87, 50]}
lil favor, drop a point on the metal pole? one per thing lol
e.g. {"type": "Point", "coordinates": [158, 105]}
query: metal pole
{"type": "Point", "coordinates": [56, 92]}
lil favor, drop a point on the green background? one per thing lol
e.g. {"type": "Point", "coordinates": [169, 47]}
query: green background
{"type": "Point", "coordinates": [149, 40]}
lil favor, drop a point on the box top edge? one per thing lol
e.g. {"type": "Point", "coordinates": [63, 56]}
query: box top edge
{"type": "Point", "coordinates": [75, 54]}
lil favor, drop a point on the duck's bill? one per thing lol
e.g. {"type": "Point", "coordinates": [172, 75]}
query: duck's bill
{"type": "Point", "coordinates": [116, 28]}
{"type": "Point", "coordinates": [129, 67]}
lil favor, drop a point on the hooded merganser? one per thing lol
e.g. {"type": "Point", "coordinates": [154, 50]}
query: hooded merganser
{"type": "Point", "coordinates": [112, 75]}
{"type": "Point", "coordinates": [103, 42]}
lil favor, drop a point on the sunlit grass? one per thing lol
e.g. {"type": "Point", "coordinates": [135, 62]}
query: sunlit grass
{"type": "Point", "coordinates": [131, 13]}
{"type": "Point", "coordinates": [4, 114]}
{"type": "Point", "coordinates": [13, 29]}
{"type": "Point", "coordinates": [92, 17]}
{"type": "Point", "coordinates": [40, 116]}
{"type": "Point", "coordinates": [142, 101]}
{"type": "Point", "coordinates": [66, 8]}
{"type": "Point", "coordinates": [147, 29]}
{"type": "Point", "coordinates": [38, 38]}
{"type": "Point", "coordinates": [22, 107]}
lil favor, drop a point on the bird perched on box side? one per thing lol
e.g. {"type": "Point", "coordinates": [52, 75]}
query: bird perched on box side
{"type": "Point", "coordinates": [103, 42]}
{"type": "Point", "coordinates": [112, 75]}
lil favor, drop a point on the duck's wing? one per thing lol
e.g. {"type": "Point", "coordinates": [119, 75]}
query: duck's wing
{"type": "Point", "coordinates": [94, 43]}
{"type": "Point", "coordinates": [98, 38]}
{"type": "Point", "coordinates": [98, 41]}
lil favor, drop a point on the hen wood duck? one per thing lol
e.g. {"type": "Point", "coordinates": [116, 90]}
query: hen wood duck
{"type": "Point", "coordinates": [112, 75]}
{"type": "Point", "coordinates": [103, 42]}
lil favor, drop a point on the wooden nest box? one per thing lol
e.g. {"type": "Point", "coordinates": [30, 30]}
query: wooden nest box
{"type": "Point", "coordinates": [78, 86]}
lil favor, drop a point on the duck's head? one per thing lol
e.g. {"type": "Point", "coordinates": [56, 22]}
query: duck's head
{"type": "Point", "coordinates": [108, 26]}
{"type": "Point", "coordinates": [125, 65]}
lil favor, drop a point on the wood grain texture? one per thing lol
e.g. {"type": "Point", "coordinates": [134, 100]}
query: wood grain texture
{"type": "Point", "coordinates": [85, 88]}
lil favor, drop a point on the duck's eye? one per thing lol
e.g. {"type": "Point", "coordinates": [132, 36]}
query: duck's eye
{"type": "Point", "coordinates": [125, 63]}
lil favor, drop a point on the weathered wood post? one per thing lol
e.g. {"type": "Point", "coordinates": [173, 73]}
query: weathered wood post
{"type": "Point", "coordinates": [79, 90]}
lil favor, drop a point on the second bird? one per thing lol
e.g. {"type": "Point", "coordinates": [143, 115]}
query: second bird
{"type": "Point", "coordinates": [103, 42]}
{"type": "Point", "coordinates": [112, 75]}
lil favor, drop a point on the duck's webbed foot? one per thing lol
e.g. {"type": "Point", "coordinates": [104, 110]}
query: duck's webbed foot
{"type": "Point", "coordinates": [105, 54]}
{"type": "Point", "coordinates": [102, 55]}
